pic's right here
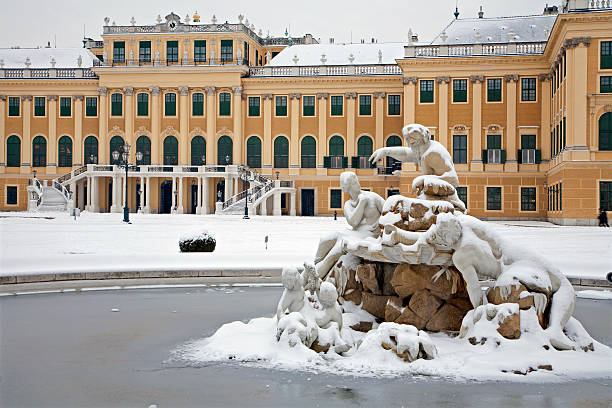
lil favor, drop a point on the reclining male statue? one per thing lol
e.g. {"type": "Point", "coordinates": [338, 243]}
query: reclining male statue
{"type": "Point", "coordinates": [479, 252]}
{"type": "Point", "coordinates": [440, 179]}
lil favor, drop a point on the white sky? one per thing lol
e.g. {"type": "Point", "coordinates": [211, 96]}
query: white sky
{"type": "Point", "coordinates": [33, 23]}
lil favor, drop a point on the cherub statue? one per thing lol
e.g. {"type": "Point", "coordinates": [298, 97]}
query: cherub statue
{"type": "Point", "coordinates": [479, 252]}
{"type": "Point", "coordinates": [362, 213]}
{"type": "Point", "coordinates": [439, 179]}
{"type": "Point", "coordinates": [292, 298]}
{"type": "Point", "coordinates": [328, 297]}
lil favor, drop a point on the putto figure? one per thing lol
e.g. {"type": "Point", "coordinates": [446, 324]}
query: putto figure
{"type": "Point", "coordinates": [439, 179]}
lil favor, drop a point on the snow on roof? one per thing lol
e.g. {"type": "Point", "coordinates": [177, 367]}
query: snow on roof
{"type": "Point", "coordinates": [338, 54]}
{"type": "Point", "coordinates": [497, 30]}
{"type": "Point", "coordinates": [41, 57]}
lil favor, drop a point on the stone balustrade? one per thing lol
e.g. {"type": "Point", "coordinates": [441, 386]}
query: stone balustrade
{"type": "Point", "coordinates": [468, 50]}
{"type": "Point", "coordinates": [47, 73]}
{"type": "Point", "coordinates": [326, 70]}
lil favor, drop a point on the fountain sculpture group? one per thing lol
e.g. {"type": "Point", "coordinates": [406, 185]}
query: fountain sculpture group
{"type": "Point", "coordinates": [418, 265]}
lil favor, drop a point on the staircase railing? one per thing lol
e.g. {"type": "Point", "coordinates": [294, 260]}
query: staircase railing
{"type": "Point", "coordinates": [62, 190]}
{"type": "Point", "coordinates": [252, 175]}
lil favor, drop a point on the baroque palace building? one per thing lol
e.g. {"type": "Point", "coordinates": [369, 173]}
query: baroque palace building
{"type": "Point", "coordinates": [523, 104]}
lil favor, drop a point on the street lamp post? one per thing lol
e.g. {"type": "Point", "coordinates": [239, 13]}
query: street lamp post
{"type": "Point", "coordinates": [125, 156]}
{"type": "Point", "coordinates": [247, 176]}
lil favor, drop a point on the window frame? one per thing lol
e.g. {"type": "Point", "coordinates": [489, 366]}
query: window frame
{"type": "Point", "coordinates": [223, 54]}
{"type": "Point", "coordinates": [529, 95]}
{"type": "Point", "coordinates": [194, 102]}
{"type": "Point", "coordinates": [501, 90]}
{"type": "Point", "coordinates": [528, 206]}
{"type": "Point", "coordinates": [118, 57]}
{"type": "Point", "coordinates": [467, 197]}
{"type": "Point", "coordinates": [220, 112]}
{"type": "Point", "coordinates": [331, 203]}
{"type": "Point", "coordinates": [145, 154]}
{"type": "Point", "coordinates": [333, 98]}
{"type": "Point", "coordinates": [426, 82]}
{"type": "Point", "coordinates": [309, 157]}
{"type": "Point", "coordinates": [488, 201]}
{"type": "Point", "coordinates": [44, 106]}
{"type": "Point", "coordinates": [9, 106]}
{"type": "Point", "coordinates": [281, 98]}
{"type": "Point", "coordinates": [10, 160]}
{"type": "Point", "coordinates": [361, 105]}
{"type": "Point", "coordinates": [139, 103]}
{"type": "Point", "coordinates": [252, 106]}
{"type": "Point", "coordinates": [6, 195]}
{"type": "Point", "coordinates": [197, 57]}
{"type": "Point", "coordinates": [170, 95]}
{"type": "Point", "coordinates": [608, 116]}
{"type": "Point", "coordinates": [279, 159]}
{"type": "Point", "coordinates": [169, 54]}
{"type": "Point", "coordinates": [304, 106]}
{"type": "Point", "coordinates": [67, 154]}
{"type": "Point", "coordinates": [608, 45]}
{"type": "Point", "coordinates": [601, 194]}
{"type": "Point", "coordinates": [112, 110]}
{"type": "Point", "coordinates": [193, 155]}
{"type": "Point", "coordinates": [62, 107]}
{"type": "Point", "coordinates": [141, 54]}
{"type": "Point", "coordinates": [454, 90]}
{"type": "Point", "coordinates": [87, 106]}
{"type": "Point", "coordinates": [399, 104]}
{"type": "Point", "coordinates": [170, 155]}
{"type": "Point", "coordinates": [253, 157]}
{"type": "Point", "coordinates": [460, 150]}
{"type": "Point", "coordinates": [608, 86]}
{"type": "Point", "coordinates": [36, 163]}
{"type": "Point", "coordinates": [86, 146]}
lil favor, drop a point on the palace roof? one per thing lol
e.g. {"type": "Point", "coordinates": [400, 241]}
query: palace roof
{"type": "Point", "coordinates": [40, 58]}
{"type": "Point", "coordinates": [339, 54]}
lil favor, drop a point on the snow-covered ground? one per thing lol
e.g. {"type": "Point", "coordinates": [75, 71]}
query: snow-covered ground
{"type": "Point", "coordinates": [31, 243]}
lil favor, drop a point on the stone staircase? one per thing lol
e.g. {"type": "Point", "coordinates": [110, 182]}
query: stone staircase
{"type": "Point", "coordinates": [47, 195]}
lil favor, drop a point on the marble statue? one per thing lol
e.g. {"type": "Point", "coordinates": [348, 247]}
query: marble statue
{"type": "Point", "coordinates": [478, 252]}
{"type": "Point", "coordinates": [440, 178]}
{"type": "Point", "coordinates": [362, 213]}
{"type": "Point", "coordinates": [292, 298]}
{"type": "Point", "coordinates": [268, 57]}
{"type": "Point", "coordinates": [331, 310]}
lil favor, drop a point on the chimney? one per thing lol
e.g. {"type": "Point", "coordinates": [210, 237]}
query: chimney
{"type": "Point", "coordinates": [481, 13]}
{"type": "Point", "coordinates": [415, 38]}
{"type": "Point", "coordinates": [331, 40]}
{"type": "Point", "coordinates": [549, 10]}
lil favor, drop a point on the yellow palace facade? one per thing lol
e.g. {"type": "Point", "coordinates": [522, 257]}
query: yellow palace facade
{"type": "Point", "coordinates": [523, 104]}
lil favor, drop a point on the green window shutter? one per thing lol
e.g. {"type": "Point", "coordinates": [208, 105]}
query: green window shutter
{"type": "Point", "coordinates": [116, 104]}
{"type": "Point", "coordinates": [227, 51]}
{"type": "Point", "coordinates": [91, 106]}
{"type": "Point", "coordinates": [327, 162]}
{"type": "Point", "coordinates": [309, 152]}
{"type": "Point", "coordinates": [119, 51]}
{"type": "Point", "coordinates": [364, 146]}
{"type": "Point", "coordinates": [538, 156]}
{"type": "Point", "coordinates": [355, 162]}
{"type": "Point", "coordinates": [485, 157]}
{"type": "Point", "coordinates": [519, 157]}
{"type": "Point", "coordinates": [254, 106]}
{"type": "Point", "coordinates": [199, 51]}
{"type": "Point", "coordinates": [170, 104]}
{"type": "Point", "coordinates": [365, 105]}
{"type": "Point", "coordinates": [344, 162]}
{"type": "Point", "coordinates": [336, 105]}
{"type": "Point", "coordinates": [605, 132]}
{"type": "Point", "coordinates": [143, 145]}
{"type": "Point", "coordinates": [254, 152]}
{"type": "Point", "coordinates": [142, 104]}
{"type": "Point", "coordinates": [39, 106]}
{"type": "Point", "coordinates": [172, 51]}
{"type": "Point", "coordinates": [459, 90]}
{"type": "Point", "coordinates": [336, 146]}
{"type": "Point", "coordinates": [39, 152]}
{"type": "Point", "coordinates": [144, 51]}
{"type": "Point", "coordinates": [65, 106]}
{"type": "Point", "coordinates": [13, 151]}
{"type": "Point", "coordinates": [494, 90]}
{"type": "Point", "coordinates": [308, 106]}
{"type": "Point", "coordinates": [426, 88]}
{"type": "Point", "coordinates": [170, 151]}
{"type": "Point", "coordinates": [281, 152]}
{"type": "Point", "coordinates": [606, 55]}
{"type": "Point", "coordinates": [11, 195]}
{"type": "Point", "coordinates": [225, 151]}
{"type": "Point", "coordinates": [91, 149]}
{"type": "Point", "coordinates": [197, 102]}
{"type": "Point", "coordinates": [503, 156]}
{"type": "Point", "coordinates": [605, 84]}
{"type": "Point", "coordinates": [281, 106]}
{"type": "Point", "coordinates": [64, 152]}
{"type": "Point", "coordinates": [394, 103]}
{"type": "Point", "coordinates": [115, 145]}
{"type": "Point", "coordinates": [225, 100]}
{"type": "Point", "coordinates": [335, 198]}
{"type": "Point", "coordinates": [198, 151]}
{"type": "Point", "coordinates": [13, 106]}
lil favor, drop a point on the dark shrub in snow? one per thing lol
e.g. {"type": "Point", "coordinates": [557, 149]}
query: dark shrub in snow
{"type": "Point", "coordinates": [201, 241]}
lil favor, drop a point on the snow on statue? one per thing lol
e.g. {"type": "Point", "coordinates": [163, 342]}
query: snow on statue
{"type": "Point", "coordinates": [382, 293]}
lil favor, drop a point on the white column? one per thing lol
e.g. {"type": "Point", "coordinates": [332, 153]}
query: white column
{"type": "Point", "coordinates": [95, 194]}
{"type": "Point", "coordinates": [264, 206]}
{"type": "Point", "coordinates": [114, 207]}
{"type": "Point", "coordinates": [292, 204]}
{"type": "Point", "coordinates": [142, 193]}
{"type": "Point", "coordinates": [199, 197]}
{"type": "Point", "coordinates": [228, 188]}
{"type": "Point", "coordinates": [205, 209]}
{"type": "Point", "coordinates": [88, 205]}
{"type": "Point", "coordinates": [173, 195]}
{"type": "Point", "coordinates": [147, 209]}
{"type": "Point", "coordinates": [73, 196]}
{"type": "Point", "coordinates": [181, 210]}
{"type": "Point", "coordinates": [276, 207]}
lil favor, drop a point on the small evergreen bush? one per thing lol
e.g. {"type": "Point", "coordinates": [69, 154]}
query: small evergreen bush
{"type": "Point", "coordinates": [201, 241]}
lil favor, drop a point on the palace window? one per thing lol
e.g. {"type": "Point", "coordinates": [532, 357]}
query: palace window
{"type": "Point", "coordinates": [605, 131]}
{"type": "Point", "coordinates": [144, 51]}
{"type": "Point", "coordinates": [364, 151]}
{"type": "Point", "coordinates": [459, 90]}
{"type": "Point", "coordinates": [91, 106]}
{"type": "Point", "coordinates": [143, 145]}
{"type": "Point", "coordinates": [65, 106]}
{"type": "Point", "coordinates": [494, 198]}
{"type": "Point", "coordinates": [39, 152]}
{"type": "Point", "coordinates": [336, 105]}
{"type": "Point", "coordinates": [90, 150]}
{"type": "Point", "coordinates": [426, 91]}
{"type": "Point", "coordinates": [225, 101]}
{"type": "Point", "coordinates": [199, 50]}
{"type": "Point", "coordinates": [528, 198]}
{"type": "Point", "coordinates": [394, 104]}
{"type": "Point", "coordinates": [64, 152]}
{"type": "Point", "coordinates": [494, 90]}
{"type": "Point", "coordinates": [309, 152]}
{"type": "Point", "coordinates": [11, 195]}
{"type": "Point", "coordinates": [528, 154]}
{"type": "Point", "coordinates": [39, 106]}
{"type": "Point", "coordinates": [116, 145]}
{"type": "Point", "coordinates": [172, 51]}
{"type": "Point", "coordinates": [281, 106]}
{"type": "Point", "coordinates": [254, 104]}
{"type": "Point", "coordinates": [13, 106]}
{"type": "Point", "coordinates": [336, 158]}
{"type": "Point", "coordinates": [459, 149]}
{"type": "Point", "coordinates": [605, 195]}
{"type": "Point", "coordinates": [13, 151]}
{"type": "Point", "coordinates": [392, 164]}
{"type": "Point", "coordinates": [142, 100]}
{"type": "Point", "coordinates": [170, 151]}
{"type": "Point", "coordinates": [224, 150]}
{"type": "Point", "coordinates": [197, 104]}
{"type": "Point", "coordinates": [605, 84]}
{"type": "Point", "coordinates": [335, 198]}
{"type": "Point", "coordinates": [116, 104]}
{"type": "Point", "coordinates": [198, 151]}
{"type": "Point", "coordinates": [170, 104]}
{"type": "Point", "coordinates": [119, 51]}
{"type": "Point", "coordinates": [308, 105]}
{"type": "Point", "coordinates": [365, 105]}
{"type": "Point", "coordinates": [463, 194]}
{"type": "Point", "coordinates": [494, 153]}
{"type": "Point", "coordinates": [606, 55]}
{"type": "Point", "coordinates": [528, 89]}
{"type": "Point", "coordinates": [254, 152]}
{"type": "Point", "coordinates": [281, 152]}
{"type": "Point", "coordinates": [227, 51]}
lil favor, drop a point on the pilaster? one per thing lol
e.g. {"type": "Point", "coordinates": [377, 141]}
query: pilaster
{"type": "Point", "coordinates": [77, 155]}
{"type": "Point", "coordinates": [155, 125]}
{"type": "Point", "coordinates": [267, 142]}
{"type": "Point", "coordinates": [52, 136]}
{"type": "Point", "coordinates": [409, 99]}
{"type": "Point", "coordinates": [350, 123]}
{"type": "Point", "coordinates": [294, 160]}
{"type": "Point", "coordinates": [183, 125]}
{"type": "Point", "coordinates": [545, 116]}
{"type": "Point", "coordinates": [476, 139]}
{"type": "Point", "coordinates": [238, 138]}
{"type": "Point", "coordinates": [322, 142]}
{"type": "Point", "coordinates": [129, 116]}
{"type": "Point", "coordinates": [103, 127]}
{"type": "Point", "coordinates": [2, 133]}
{"type": "Point", "coordinates": [26, 138]}
{"type": "Point", "coordinates": [511, 100]}
{"type": "Point", "coordinates": [380, 116]}
{"type": "Point", "coordinates": [211, 125]}
{"type": "Point", "coordinates": [443, 110]}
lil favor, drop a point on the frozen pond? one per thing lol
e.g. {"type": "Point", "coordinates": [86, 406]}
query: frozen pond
{"type": "Point", "coordinates": [72, 350]}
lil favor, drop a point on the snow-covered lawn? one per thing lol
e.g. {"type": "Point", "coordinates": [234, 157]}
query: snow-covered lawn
{"type": "Point", "coordinates": [30, 243]}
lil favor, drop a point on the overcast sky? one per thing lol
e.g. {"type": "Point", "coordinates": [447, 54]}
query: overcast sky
{"type": "Point", "coordinates": [32, 23]}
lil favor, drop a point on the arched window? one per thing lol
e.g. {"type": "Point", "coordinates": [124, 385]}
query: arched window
{"type": "Point", "coordinates": [605, 131]}
{"type": "Point", "coordinates": [309, 152]}
{"type": "Point", "coordinates": [336, 146]}
{"type": "Point", "coordinates": [143, 145]}
{"type": "Point", "coordinates": [39, 152]}
{"type": "Point", "coordinates": [90, 151]}
{"type": "Point", "coordinates": [198, 151]}
{"type": "Point", "coordinates": [64, 152]}
{"type": "Point", "coordinates": [254, 152]}
{"type": "Point", "coordinates": [224, 150]}
{"type": "Point", "coordinates": [116, 145]}
{"type": "Point", "coordinates": [364, 146]}
{"type": "Point", "coordinates": [170, 151]}
{"type": "Point", "coordinates": [13, 151]}
{"type": "Point", "coordinates": [392, 164]}
{"type": "Point", "coordinates": [281, 153]}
